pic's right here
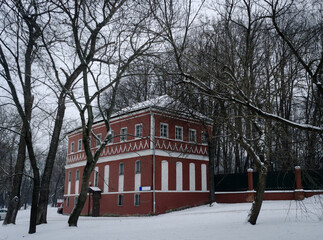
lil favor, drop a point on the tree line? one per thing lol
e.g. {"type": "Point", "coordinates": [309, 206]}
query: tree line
{"type": "Point", "coordinates": [254, 70]}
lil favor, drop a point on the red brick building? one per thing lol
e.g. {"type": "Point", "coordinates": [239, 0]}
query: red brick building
{"type": "Point", "coordinates": [157, 161]}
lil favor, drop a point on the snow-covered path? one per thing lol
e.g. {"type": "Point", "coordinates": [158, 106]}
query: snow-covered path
{"type": "Point", "coordinates": [278, 220]}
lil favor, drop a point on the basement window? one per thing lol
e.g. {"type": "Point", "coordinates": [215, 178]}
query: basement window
{"type": "Point", "coordinates": [120, 200]}
{"type": "Point", "coordinates": [137, 199]}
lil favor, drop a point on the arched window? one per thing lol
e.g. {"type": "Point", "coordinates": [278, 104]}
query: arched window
{"type": "Point", "coordinates": [164, 176]}
{"type": "Point", "coordinates": [179, 176]}
{"type": "Point", "coordinates": [192, 176]}
{"type": "Point", "coordinates": [106, 178]}
{"type": "Point", "coordinates": [204, 177]}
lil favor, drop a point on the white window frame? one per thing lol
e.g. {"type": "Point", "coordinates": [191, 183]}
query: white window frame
{"type": "Point", "coordinates": [140, 130]}
{"type": "Point", "coordinates": [79, 145]}
{"type": "Point", "coordinates": [189, 135]}
{"type": "Point", "coordinates": [121, 169]}
{"type": "Point", "coordinates": [123, 137]}
{"type": "Point", "coordinates": [72, 147]}
{"type": "Point", "coordinates": [181, 137]}
{"type": "Point", "coordinates": [97, 142]}
{"type": "Point", "coordinates": [203, 138]}
{"type": "Point", "coordinates": [96, 177]}
{"type": "Point", "coordinates": [162, 125]}
{"type": "Point", "coordinates": [112, 136]}
{"type": "Point", "coordinates": [137, 169]}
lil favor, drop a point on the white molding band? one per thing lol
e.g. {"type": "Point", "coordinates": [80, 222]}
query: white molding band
{"type": "Point", "coordinates": [161, 153]}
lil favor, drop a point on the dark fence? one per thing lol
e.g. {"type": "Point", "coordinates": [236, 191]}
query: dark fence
{"type": "Point", "coordinates": [312, 180]}
{"type": "Point", "coordinates": [282, 180]}
{"type": "Point", "coordinates": [231, 182]}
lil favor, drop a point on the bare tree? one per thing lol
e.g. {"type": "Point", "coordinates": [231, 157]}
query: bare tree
{"type": "Point", "coordinates": [244, 66]}
{"type": "Point", "coordinates": [108, 37]}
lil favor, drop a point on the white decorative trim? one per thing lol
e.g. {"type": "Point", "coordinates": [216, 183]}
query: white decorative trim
{"type": "Point", "coordinates": [148, 152]}
{"type": "Point", "coordinates": [164, 153]}
{"type": "Point", "coordinates": [182, 147]}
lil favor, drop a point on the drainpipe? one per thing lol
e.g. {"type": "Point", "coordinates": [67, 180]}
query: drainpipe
{"type": "Point", "coordinates": [152, 147]}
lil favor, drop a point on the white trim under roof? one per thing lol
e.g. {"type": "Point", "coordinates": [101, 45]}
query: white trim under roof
{"type": "Point", "coordinates": [148, 152]}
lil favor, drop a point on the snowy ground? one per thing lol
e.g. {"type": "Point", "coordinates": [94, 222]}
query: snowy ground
{"type": "Point", "coordinates": [278, 220]}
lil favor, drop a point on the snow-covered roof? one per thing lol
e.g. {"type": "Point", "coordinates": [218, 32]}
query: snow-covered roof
{"type": "Point", "coordinates": [159, 102]}
{"type": "Point", "coordinates": [164, 103]}
{"type": "Point", "coordinates": [95, 189]}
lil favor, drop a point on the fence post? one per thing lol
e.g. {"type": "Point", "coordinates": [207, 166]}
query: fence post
{"type": "Point", "coordinates": [299, 191]}
{"type": "Point", "coordinates": [251, 192]}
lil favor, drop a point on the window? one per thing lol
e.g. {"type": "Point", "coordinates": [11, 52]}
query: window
{"type": "Point", "coordinates": [72, 147]}
{"type": "Point", "coordinates": [137, 199]}
{"type": "Point", "coordinates": [192, 135]}
{"type": "Point", "coordinates": [120, 200]}
{"type": "Point", "coordinates": [121, 169]}
{"type": "Point", "coordinates": [79, 145]}
{"type": "Point", "coordinates": [123, 134]}
{"type": "Point", "coordinates": [178, 133]}
{"type": "Point", "coordinates": [111, 137]}
{"type": "Point", "coordinates": [75, 201]}
{"type": "Point", "coordinates": [204, 138]}
{"type": "Point", "coordinates": [97, 141]}
{"type": "Point", "coordinates": [138, 167]}
{"type": "Point", "coordinates": [106, 178]}
{"type": "Point", "coordinates": [164, 130]}
{"type": "Point", "coordinates": [67, 201]}
{"type": "Point", "coordinates": [69, 176]}
{"type": "Point", "coordinates": [77, 177]}
{"type": "Point", "coordinates": [96, 176]}
{"type": "Point", "coordinates": [138, 130]}
{"type": "Point", "coordinates": [164, 175]}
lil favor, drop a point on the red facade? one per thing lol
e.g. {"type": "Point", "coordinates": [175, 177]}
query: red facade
{"type": "Point", "coordinates": [163, 169]}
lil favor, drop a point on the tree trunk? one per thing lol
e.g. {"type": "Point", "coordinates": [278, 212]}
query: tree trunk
{"type": "Point", "coordinates": [44, 188]}
{"type": "Point", "coordinates": [36, 181]}
{"type": "Point", "coordinates": [14, 202]}
{"type": "Point", "coordinates": [256, 205]}
{"type": "Point", "coordinates": [72, 221]}
{"type": "Point", "coordinates": [34, 204]}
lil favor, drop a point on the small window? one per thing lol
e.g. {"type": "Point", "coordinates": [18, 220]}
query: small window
{"type": "Point", "coordinates": [120, 200]}
{"type": "Point", "coordinates": [192, 135]}
{"type": "Point", "coordinates": [75, 201]}
{"type": "Point", "coordinates": [178, 133]}
{"type": "Point", "coordinates": [137, 199]}
{"type": "Point", "coordinates": [72, 147]}
{"type": "Point", "coordinates": [121, 169]}
{"type": "Point", "coordinates": [96, 177]}
{"type": "Point", "coordinates": [138, 131]}
{"type": "Point", "coordinates": [67, 201]}
{"type": "Point", "coordinates": [77, 176]}
{"type": "Point", "coordinates": [123, 134]}
{"type": "Point", "coordinates": [164, 130]}
{"type": "Point", "coordinates": [99, 136]}
{"type": "Point", "coordinates": [204, 138]}
{"type": "Point", "coordinates": [110, 140]}
{"type": "Point", "coordinates": [138, 167]}
{"type": "Point", "coordinates": [69, 176]}
{"type": "Point", "coordinates": [79, 145]}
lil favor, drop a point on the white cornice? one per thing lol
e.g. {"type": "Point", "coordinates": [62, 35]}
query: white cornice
{"type": "Point", "coordinates": [138, 154]}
